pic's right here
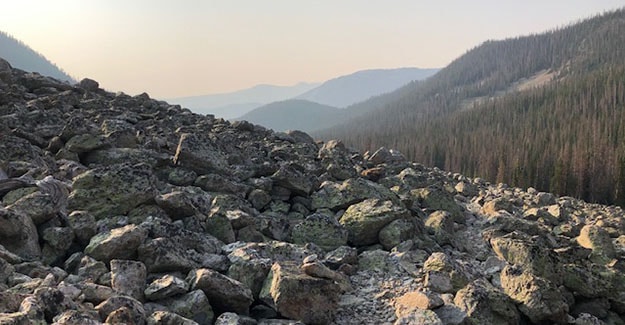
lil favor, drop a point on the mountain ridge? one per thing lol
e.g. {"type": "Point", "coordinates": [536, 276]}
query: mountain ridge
{"type": "Point", "coordinates": [23, 57]}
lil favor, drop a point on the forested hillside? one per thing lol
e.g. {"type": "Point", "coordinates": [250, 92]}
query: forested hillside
{"type": "Point", "coordinates": [542, 110]}
{"type": "Point", "coordinates": [21, 56]}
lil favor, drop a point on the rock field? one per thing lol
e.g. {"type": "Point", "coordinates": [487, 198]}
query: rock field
{"type": "Point", "coordinates": [123, 209]}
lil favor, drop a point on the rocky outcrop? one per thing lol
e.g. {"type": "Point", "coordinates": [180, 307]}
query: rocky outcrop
{"type": "Point", "coordinates": [125, 209]}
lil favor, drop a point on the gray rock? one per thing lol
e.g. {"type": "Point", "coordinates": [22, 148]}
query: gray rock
{"type": "Point", "coordinates": [84, 226]}
{"type": "Point", "coordinates": [193, 305]}
{"type": "Point", "coordinates": [128, 278]}
{"type": "Point", "coordinates": [485, 304]}
{"type": "Point", "coordinates": [322, 230]}
{"type": "Point", "coordinates": [118, 243]}
{"type": "Point", "coordinates": [449, 314]}
{"type": "Point", "coordinates": [18, 234]}
{"type": "Point", "coordinates": [224, 293]}
{"type": "Point", "coordinates": [234, 319]}
{"type": "Point", "coordinates": [132, 308]}
{"type": "Point", "coordinates": [337, 196]}
{"type": "Point", "coordinates": [364, 220]}
{"type": "Point", "coordinates": [167, 318]}
{"type": "Point", "coordinates": [424, 317]}
{"type": "Point", "coordinates": [283, 291]}
{"type": "Point", "coordinates": [397, 232]}
{"type": "Point", "coordinates": [250, 272]}
{"type": "Point", "coordinates": [199, 154]}
{"type": "Point", "coordinates": [165, 287]}
{"type": "Point", "coordinates": [112, 190]}
{"type": "Point", "coordinates": [538, 298]}
{"type": "Point", "coordinates": [292, 178]}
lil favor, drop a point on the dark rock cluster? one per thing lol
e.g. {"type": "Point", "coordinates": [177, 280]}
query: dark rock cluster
{"type": "Point", "coordinates": [123, 209]}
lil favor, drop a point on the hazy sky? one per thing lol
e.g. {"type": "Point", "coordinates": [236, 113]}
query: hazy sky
{"type": "Point", "coordinates": [172, 48]}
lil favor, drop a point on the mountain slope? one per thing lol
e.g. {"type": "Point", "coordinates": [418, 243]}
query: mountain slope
{"type": "Point", "coordinates": [359, 86]}
{"type": "Point", "coordinates": [424, 121]}
{"type": "Point", "coordinates": [21, 56]}
{"type": "Point", "coordinates": [294, 114]}
{"type": "Point", "coordinates": [234, 104]}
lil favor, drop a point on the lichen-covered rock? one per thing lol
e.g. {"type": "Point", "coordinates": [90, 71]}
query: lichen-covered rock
{"type": "Point", "coordinates": [84, 226]}
{"type": "Point", "coordinates": [284, 291]}
{"type": "Point", "coordinates": [397, 232]}
{"type": "Point", "coordinates": [184, 202]}
{"type": "Point", "coordinates": [193, 305]}
{"type": "Point", "coordinates": [224, 293]}
{"type": "Point", "coordinates": [234, 319]}
{"type": "Point", "coordinates": [440, 224]}
{"type": "Point", "coordinates": [440, 268]}
{"type": "Point", "coordinates": [418, 316]}
{"type": "Point", "coordinates": [128, 278]}
{"type": "Point", "coordinates": [132, 308]}
{"type": "Point", "coordinates": [167, 318]}
{"type": "Point", "coordinates": [336, 196]}
{"type": "Point", "coordinates": [165, 287]}
{"type": "Point", "coordinates": [322, 230]}
{"type": "Point", "coordinates": [364, 220]}
{"type": "Point", "coordinates": [485, 304]}
{"type": "Point", "coordinates": [118, 243]}
{"type": "Point", "coordinates": [434, 198]}
{"type": "Point", "coordinates": [250, 272]}
{"type": "Point", "coordinates": [182, 253]}
{"type": "Point", "coordinates": [597, 239]}
{"type": "Point", "coordinates": [199, 154]}
{"type": "Point", "coordinates": [112, 190]}
{"type": "Point", "coordinates": [538, 298]}
{"type": "Point", "coordinates": [18, 234]}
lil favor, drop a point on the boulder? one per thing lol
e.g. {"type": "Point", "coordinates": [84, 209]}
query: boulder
{"type": "Point", "coordinates": [538, 298]}
{"type": "Point", "coordinates": [292, 178]}
{"type": "Point", "coordinates": [18, 234]}
{"type": "Point", "coordinates": [184, 202]}
{"type": "Point", "coordinates": [421, 317]}
{"type": "Point", "coordinates": [397, 232]}
{"type": "Point", "coordinates": [199, 154]}
{"type": "Point", "coordinates": [112, 190]}
{"type": "Point", "coordinates": [234, 319]}
{"type": "Point", "coordinates": [128, 278]}
{"type": "Point", "coordinates": [596, 238]}
{"type": "Point", "coordinates": [364, 220]}
{"type": "Point", "coordinates": [193, 305]}
{"type": "Point", "coordinates": [167, 318]}
{"type": "Point", "coordinates": [440, 224]}
{"type": "Point", "coordinates": [435, 198]}
{"type": "Point", "coordinates": [485, 304]}
{"type": "Point", "coordinates": [298, 296]}
{"type": "Point", "coordinates": [122, 307]}
{"type": "Point", "coordinates": [118, 243]}
{"type": "Point", "coordinates": [320, 229]}
{"type": "Point", "coordinates": [165, 287]}
{"type": "Point", "coordinates": [224, 293]}
{"type": "Point", "coordinates": [341, 195]}
{"type": "Point", "coordinates": [416, 300]}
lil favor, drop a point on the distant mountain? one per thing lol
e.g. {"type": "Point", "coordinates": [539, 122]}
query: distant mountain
{"type": "Point", "coordinates": [295, 114]}
{"type": "Point", "coordinates": [545, 110]}
{"type": "Point", "coordinates": [362, 85]}
{"type": "Point", "coordinates": [234, 104]}
{"type": "Point", "coordinates": [21, 56]}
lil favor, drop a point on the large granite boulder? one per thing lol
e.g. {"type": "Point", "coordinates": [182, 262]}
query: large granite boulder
{"type": "Point", "coordinates": [364, 220]}
{"type": "Point", "coordinates": [224, 293]}
{"type": "Point", "coordinates": [299, 296]}
{"type": "Point", "coordinates": [112, 190]}
{"type": "Point", "coordinates": [485, 304]}
{"type": "Point", "coordinates": [538, 298]}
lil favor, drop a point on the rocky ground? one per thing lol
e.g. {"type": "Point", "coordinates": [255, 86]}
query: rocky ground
{"type": "Point", "coordinates": [128, 210]}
